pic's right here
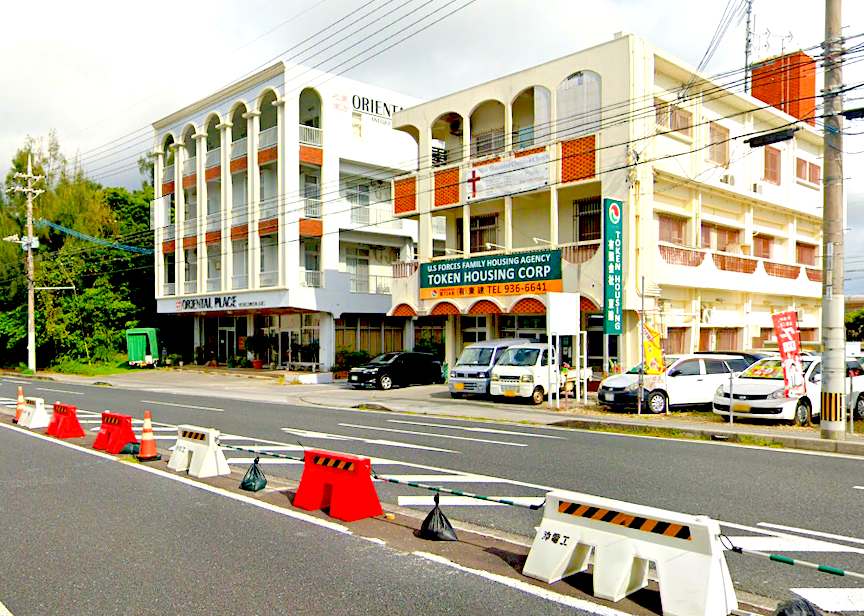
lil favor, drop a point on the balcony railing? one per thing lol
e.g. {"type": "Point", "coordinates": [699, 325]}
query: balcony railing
{"type": "Point", "coordinates": [170, 232]}
{"type": "Point", "coordinates": [239, 215]}
{"type": "Point", "coordinates": [370, 283]}
{"type": "Point", "coordinates": [312, 208]}
{"type": "Point", "coordinates": [375, 215]}
{"type": "Point", "coordinates": [579, 253]}
{"type": "Point", "coordinates": [487, 143]}
{"type": "Point", "coordinates": [240, 281]}
{"type": "Point", "coordinates": [269, 210]}
{"type": "Point", "coordinates": [312, 278]}
{"type": "Point", "coordinates": [213, 158]}
{"type": "Point", "coordinates": [267, 138]}
{"type": "Point", "coordinates": [190, 286]}
{"type": "Point", "coordinates": [673, 255]}
{"type": "Point", "coordinates": [442, 157]}
{"type": "Point", "coordinates": [189, 166]}
{"type": "Point", "coordinates": [213, 222]}
{"type": "Point", "coordinates": [309, 135]}
{"type": "Point", "coordinates": [405, 269]}
{"type": "Point", "coordinates": [168, 288]}
{"type": "Point", "coordinates": [190, 227]}
{"type": "Point", "coordinates": [238, 148]}
{"type": "Point", "coordinates": [214, 284]}
{"type": "Point", "coordinates": [168, 174]}
{"type": "Point", "coordinates": [269, 279]}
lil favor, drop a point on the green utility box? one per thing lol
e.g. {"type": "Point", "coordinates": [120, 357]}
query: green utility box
{"type": "Point", "coordinates": [143, 346]}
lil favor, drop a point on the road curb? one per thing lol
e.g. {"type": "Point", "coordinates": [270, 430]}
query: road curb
{"type": "Point", "coordinates": [34, 377]}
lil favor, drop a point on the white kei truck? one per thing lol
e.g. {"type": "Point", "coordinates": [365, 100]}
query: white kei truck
{"type": "Point", "coordinates": [524, 371]}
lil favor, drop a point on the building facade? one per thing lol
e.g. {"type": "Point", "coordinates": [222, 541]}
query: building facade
{"type": "Point", "coordinates": [272, 216]}
{"type": "Point", "coordinates": [719, 234]}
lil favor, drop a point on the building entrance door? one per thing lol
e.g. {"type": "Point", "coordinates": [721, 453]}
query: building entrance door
{"type": "Point", "coordinates": [227, 344]}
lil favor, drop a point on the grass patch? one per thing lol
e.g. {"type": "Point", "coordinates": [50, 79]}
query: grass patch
{"type": "Point", "coordinates": [116, 365]}
{"type": "Point", "coordinates": [736, 439]}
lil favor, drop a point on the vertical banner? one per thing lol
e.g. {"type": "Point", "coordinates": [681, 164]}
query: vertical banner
{"type": "Point", "coordinates": [653, 351]}
{"type": "Point", "coordinates": [612, 266]}
{"type": "Point", "coordinates": [789, 342]}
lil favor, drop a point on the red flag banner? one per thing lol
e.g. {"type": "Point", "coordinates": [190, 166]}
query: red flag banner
{"type": "Point", "coordinates": [789, 343]}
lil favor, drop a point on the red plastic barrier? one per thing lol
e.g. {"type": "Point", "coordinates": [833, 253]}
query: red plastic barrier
{"type": "Point", "coordinates": [340, 481]}
{"type": "Point", "coordinates": [64, 422]}
{"type": "Point", "coordinates": [115, 433]}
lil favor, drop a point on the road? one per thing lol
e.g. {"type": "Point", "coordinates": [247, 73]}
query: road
{"type": "Point", "coordinates": [775, 501]}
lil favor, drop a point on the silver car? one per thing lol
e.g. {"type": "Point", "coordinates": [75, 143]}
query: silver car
{"type": "Point", "coordinates": [471, 373]}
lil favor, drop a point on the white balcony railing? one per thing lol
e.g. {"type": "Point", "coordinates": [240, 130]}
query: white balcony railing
{"type": "Point", "coordinates": [309, 135]}
{"type": "Point", "coordinates": [240, 281]}
{"type": "Point", "coordinates": [312, 278]}
{"type": "Point", "coordinates": [238, 148]}
{"type": "Point", "coordinates": [213, 158]}
{"type": "Point", "coordinates": [190, 227]}
{"type": "Point", "coordinates": [370, 283]}
{"type": "Point", "coordinates": [168, 288]}
{"type": "Point", "coordinates": [375, 215]}
{"type": "Point", "coordinates": [168, 174]}
{"type": "Point", "coordinates": [269, 210]}
{"type": "Point", "coordinates": [213, 222]}
{"type": "Point", "coordinates": [269, 279]}
{"type": "Point", "coordinates": [239, 215]}
{"type": "Point", "coordinates": [170, 232]}
{"type": "Point", "coordinates": [190, 286]}
{"type": "Point", "coordinates": [312, 208]}
{"type": "Point", "coordinates": [267, 138]}
{"type": "Point", "coordinates": [214, 284]}
{"type": "Point", "coordinates": [439, 225]}
{"type": "Point", "coordinates": [189, 166]}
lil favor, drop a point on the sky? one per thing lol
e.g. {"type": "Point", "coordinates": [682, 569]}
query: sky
{"type": "Point", "coordinates": [100, 73]}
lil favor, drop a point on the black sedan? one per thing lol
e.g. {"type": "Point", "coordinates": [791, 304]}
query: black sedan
{"type": "Point", "coordinates": [402, 368]}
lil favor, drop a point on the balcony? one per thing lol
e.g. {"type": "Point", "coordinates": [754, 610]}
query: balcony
{"type": "Point", "coordinates": [190, 227]}
{"type": "Point", "coordinates": [269, 279]}
{"type": "Point", "coordinates": [488, 143]}
{"type": "Point", "coordinates": [238, 148]}
{"type": "Point", "coordinates": [405, 269]}
{"type": "Point", "coordinates": [309, 135]}
{"type": "Point", "coordinates": [267, 138]}
{"type": "Point", "coordinates": [214, 158]}
{"type": "Point", "coordinates": [442, 157]}
{"type": "Point", "coordinates": [169, 233]}
{"type": "Point", "coordinates": [239, 215]}
{"type": "Point", "coordinates": [168, 174]}
{"type": "Point", "coordinates": [168, 288]}
{"type": "Point", "coordinates": [240, 281]}
{"type": "Point", "coordinates": [374, 216]}
{"type": "Point", "coordinates": [312, 278]}
{"type": "Point", "coordinates": [213, 222]}
{"type": "Point", "coordinates": [189, 166]}
{"type": "Point", "coordinates": [214, 284]}
{"type": "Point", "coordinates": [190, 287]}
{"type": "Point", "coordinates": [312, 208]}
{"type": "Point", "coordinates": [269, 210]}
{"type": "Point", "coordinates": [370, 283]}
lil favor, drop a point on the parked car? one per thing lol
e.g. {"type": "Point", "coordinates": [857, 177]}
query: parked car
{"type": "Point", "coordinates": [758, 392]}
{"type": "Point", "coordinates": [524, 371]}
{"type": "Point", "coordinates": [688, 380]}
{"type": "Point", "coordinates": [752, 356]}
{"type": "Point", "coordinates": [473, 370]}
{"type": "Point", "coordinates": [401, 368]}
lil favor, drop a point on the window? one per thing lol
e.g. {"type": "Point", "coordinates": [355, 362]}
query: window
{"type": "Point", "coordinates": [718, 150]}
{"type": "Point", "coordinates": [578, 105]}
{"type": "Point", "coordinates": [357, 194]}
{"type": "Point", "coordinates": [801, 169]}
{"type": "Point", "coordinates": [673, 118]}
{"type": "Point", "coordinates": [586, 219]}
{"type": "Point", "coordinates": [671, 229]}
{"type": "Point", "coordinates": [689, 367]}
{"type": "Point", "coordinates": [473, 329]}
{"type": "Point", "coordinates": [807, 171]}
{"type": "Point", "coordinates": [727, 339]}
{"type": "Point", "coordinates": [762, 246]}
{"type": "Point", "coordinates": [815, 173]}
{"type": "Point", "coordinates": [715, 366]}
{"type": "Point", "coordinates": [805, 254]}
{"type": "Point", "coordinates": [168, 259]}
{"type": "Point", "coordinates": [718, 237]}
{"type": "Point", "coordinates": [773, 173]}
{"type": "Point", "coordinates": [674, 341]}
{"type": "Point", "coordinates": [484, 230]}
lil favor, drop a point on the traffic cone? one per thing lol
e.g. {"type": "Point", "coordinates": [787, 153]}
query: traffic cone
{"type": "Point", "coordinates": [148, 443]}
{"type": "Point", "coordinates": [19, 408]}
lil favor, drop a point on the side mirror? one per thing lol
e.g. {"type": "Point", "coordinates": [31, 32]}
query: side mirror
{"type": "Point", "coordinates": [817, 378]}
{"type": "Point", "coordinates": [673, 373]}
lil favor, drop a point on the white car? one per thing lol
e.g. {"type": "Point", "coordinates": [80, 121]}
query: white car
{"type": "Point", "coordinates": [689, 380]}
{"type": "Point", "coordinates": [758, 392]}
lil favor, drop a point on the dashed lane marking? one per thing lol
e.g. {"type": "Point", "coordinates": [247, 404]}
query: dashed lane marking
{"type": "Point", "coordinates": [472, 429]}
{"type": "Point", "coordinates": [467, 501]}
{"type": "Point", "coordinates": [433, 434]}
{"type": "Point", "coordinates": [815, 533]}
{"type": "Point", "coordinates": [385, 443]}
{"type": "Point", "coordinates": [833, 599]}
{"type": "Point", "coordinates": [60, 391]}
{"type": "Point", "coordinates": [788, 543]}
{"type": "Point", "coordinates": [185, 406]}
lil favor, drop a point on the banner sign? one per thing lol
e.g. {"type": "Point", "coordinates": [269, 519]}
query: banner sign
{"type": "Point", "coordinates": [653, 351]}
{"type": "Point", "coordinates": [513, 274]}
{"type": "Point", "coordinates": [613, 256]}
{"type": "Point", "coordinates": [506, 178]}
{"type": "Point", "coordinates": [789, 342]}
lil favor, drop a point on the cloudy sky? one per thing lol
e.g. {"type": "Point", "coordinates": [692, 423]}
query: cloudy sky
{"type": "Point", "coordinates": [100, 73]}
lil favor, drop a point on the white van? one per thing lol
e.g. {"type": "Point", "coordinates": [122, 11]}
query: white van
{"type": "Point", "coordinates": [473, 370]}
{"type": "Point", "coordinates": [524, 371]}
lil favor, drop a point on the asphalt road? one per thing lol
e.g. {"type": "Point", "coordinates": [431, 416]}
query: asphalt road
{"type": "Point", "coordinates": [745, 488]}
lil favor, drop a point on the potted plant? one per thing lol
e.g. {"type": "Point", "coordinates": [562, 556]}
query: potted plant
{"type": "Point", "coordinates": [259, 346]}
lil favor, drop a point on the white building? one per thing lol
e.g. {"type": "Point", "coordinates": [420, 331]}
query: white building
{"type": "Point", "coordinates": [272, 214]}
{"type": "Point", "coordinates": [723, 234]}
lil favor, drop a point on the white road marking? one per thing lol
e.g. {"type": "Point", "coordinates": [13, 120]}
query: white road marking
{"type": "Point", "coordinates": [260, 448]}
{"type": "Point", "coordinates": [263, 461]}
{"type": "Point", "coordinates": [386, 443]}
{"type": "Point", "coordinates": [833, 599]}
{"type": "Point", "coordinates": [184, 406]}
{"type": "Point", "coordinates": [530, 589]}
{"type": "Point", "coordinates": [61, 391]}
{"type": "Point", "coordinates": [469, 429]}
{"type": "Point", "coordinates": [450, 436]}
{"type": "Point", "coordinates": [4, 611]}
{"type": "Point", "coordinates": [772, 545]}
{"type": "Point", "coordinates": [815, 533]}
{"type": "Point", "coordinates": [467, 501]}
{"type": "Point", "coordinates": [11, 380]}
{"type": "Point", "coordinates": [436, 479]}
{"type": "Point", "coordinates": [770, 533]}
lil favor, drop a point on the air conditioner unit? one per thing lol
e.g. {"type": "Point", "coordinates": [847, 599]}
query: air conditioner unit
{"type": "Point", "coordinates": [728, 179]}
{"type": "Point", "coordinates": [757, 188]}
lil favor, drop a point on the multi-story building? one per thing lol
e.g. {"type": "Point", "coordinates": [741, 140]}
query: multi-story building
{"type": "Point", "coordinates": [272, 215]}
{"type": "Point", "coordinates": [722, 234]}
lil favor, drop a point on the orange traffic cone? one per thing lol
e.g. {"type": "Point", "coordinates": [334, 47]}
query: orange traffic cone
{"type": "Point", "coordinates": [19, 408]}
{"type": "Point", "coordinates": [148, 443]}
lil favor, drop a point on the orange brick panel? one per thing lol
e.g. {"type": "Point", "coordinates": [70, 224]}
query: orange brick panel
{"type": "Point", "coordinates": [213, 173]}
{"type": "Point", "coordinates": [213, 237]}
{"type": "Point", "coordinates": [586, 305]}
{"type": "Point", "coordinates": [447, 187]}
{"type": "Point", "coordinates": [189, 180]}
{"type": "Point", "coordinates": [404, 310]}
{"type": "Point", "coordinates": [270, 154]}
{"type": "Point", "coordinates": [239, 164]}
{"type": "Point", "coordinates": [444, 308]}
{"type": "Point", "coordinates": [240, 232]}
{"type": "Point", "coordinates": [312, 156]}
{"type": "Point", "coordinates": [190, 242]}
{"type": "Point", "coordinates": [484, 306]}
{"type": "Point", "coordinates": [529, 305]}
{"type": "Point", "coordinates": [311, 227]}
{"type": "Point", "coordinates": [497, 159]}
{"type": "Point", "coordinates": [405, 195]}
{"type": "Point", "coordinates": [266, 227]}
{"type": "Point", "coordinates": [529, 152]}
{"type": "Point", "coordinates": [578, 159]}
{"type": "Point", "coordinates": [789, 84]}
{"type": "Point", "coordinates": [169, 246]}
{"type": "Point", "coordinates": [167, 188]}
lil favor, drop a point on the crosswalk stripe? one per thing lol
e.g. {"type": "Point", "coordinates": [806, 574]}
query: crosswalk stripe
{"type": "Point", "coordinates": [464, 501]}
{"type": "Point", "coordinates": [473, 429]}
{"type": "Point", "coordinates": [833, 599]}
{"type": "Point", "coordinates": [433, 479]}
{"type": "Point", "coordinates": [787, 543]}
{"type": "Point", "coordinates": [433, 434]}
{"type": "Point", "coordinates": [264, 461]}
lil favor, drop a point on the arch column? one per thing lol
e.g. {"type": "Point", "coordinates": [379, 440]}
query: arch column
{"type": "Point", "coordinates": [253, 188]}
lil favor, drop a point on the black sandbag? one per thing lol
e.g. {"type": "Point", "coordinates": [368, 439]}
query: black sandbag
{"type": "Point", "coordinates": [436, 526]}
{"type": "Point", "coordinates": [796, 607]}
{"type": "Point", "coordinates": [131, 448]}
{"type": "Point", "coordinates": [254, 479]}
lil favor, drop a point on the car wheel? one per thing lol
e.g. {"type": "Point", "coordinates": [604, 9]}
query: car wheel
{"type": "Point", "coordinates": [858, 411]}
{"type": "Point", "coordinates": [537, 396]}
{"type": "Point", "coordinates": [385, 382]}
{"type": "Point", "coordinates": [656, 402]}
{"type": "Point", "coordinates": [802, 413]}
{"type": "Point", "coordinates": [456, 395]}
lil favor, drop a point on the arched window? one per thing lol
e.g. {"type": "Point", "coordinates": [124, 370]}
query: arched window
{"type": "Point", "coordinates": [169, 151]}
{"type": "Point", "coordinates": [532, 111]}
{"type": "Point", "coordinates": [238, 124]}
{"type": "Point", "coordinates": [578, 105]}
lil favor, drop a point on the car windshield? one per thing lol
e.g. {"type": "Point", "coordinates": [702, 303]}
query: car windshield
{"type": "Point", "coordinates": [386, 358]}
{"type": "Point", "coordinates": [519, 357]}
{"type": "Point", "coordinates": [475, 357]}
{"type": "Point", "coordinates": [769, 369]}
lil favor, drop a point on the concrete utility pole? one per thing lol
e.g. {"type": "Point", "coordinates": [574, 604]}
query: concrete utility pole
{"type": "Point", "coordinates": [833, 299]}
{"type": "Point", "coordinates": [748, 45]}
{"type": "Point", "coordinates": [28, 243]}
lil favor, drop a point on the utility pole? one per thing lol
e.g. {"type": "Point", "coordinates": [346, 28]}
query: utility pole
{"type": "Point", "coordinates": [833, 299]}
{"type": "Point", "coordinates": [748, 45]}
{"type": "Point", "coordinates": [28, 243]}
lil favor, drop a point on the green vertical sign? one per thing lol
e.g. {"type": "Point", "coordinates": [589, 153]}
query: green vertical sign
{"type": "Point", "coordinates": [613, 256]}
